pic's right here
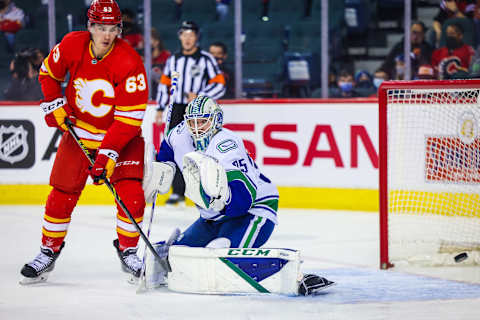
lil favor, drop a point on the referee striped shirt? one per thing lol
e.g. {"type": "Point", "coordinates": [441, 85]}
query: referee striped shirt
{"type": "Point", "coordinates": [199, 73]}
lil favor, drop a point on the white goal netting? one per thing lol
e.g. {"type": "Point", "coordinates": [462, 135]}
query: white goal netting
{"type": "Point", "coordinates": [433, 175]}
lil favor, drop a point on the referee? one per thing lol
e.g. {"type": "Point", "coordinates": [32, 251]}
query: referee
{"type": "Point", "coordinates": [199, 74]}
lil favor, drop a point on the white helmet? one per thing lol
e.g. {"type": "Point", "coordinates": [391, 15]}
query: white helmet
{"type": "Point", "coordinates": [204, 118]}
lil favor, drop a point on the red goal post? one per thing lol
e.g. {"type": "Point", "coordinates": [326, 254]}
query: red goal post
{"type": "Point", "coordinates": [429, 171]}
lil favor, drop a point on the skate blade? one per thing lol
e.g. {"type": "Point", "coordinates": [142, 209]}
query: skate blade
{"type": "Point", "coordinates": [28, 281]}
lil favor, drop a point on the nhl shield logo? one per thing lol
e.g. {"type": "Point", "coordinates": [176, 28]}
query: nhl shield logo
{"type": "Point", "coordinates": [13, 144]}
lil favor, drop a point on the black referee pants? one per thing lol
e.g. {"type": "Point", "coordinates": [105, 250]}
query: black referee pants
{"type": "Point", "coordinates": [178, 184]}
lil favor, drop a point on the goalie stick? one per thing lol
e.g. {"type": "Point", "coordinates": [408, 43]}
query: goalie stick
{"type": "Point", "coordinates": [163, 262]}
{"type": "Point", "coordinates": [173, 89]}
{"type": "Point", "coordinates": [142, 284]}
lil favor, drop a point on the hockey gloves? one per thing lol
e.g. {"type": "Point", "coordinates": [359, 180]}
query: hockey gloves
{"type": "Point", "coordinates": [103, 166]}
{"type": "Point", "coordinates": [55, 113]}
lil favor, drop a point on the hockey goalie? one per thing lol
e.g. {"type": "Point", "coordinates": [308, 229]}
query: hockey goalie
{"type": "Point", "coordinates": [221, 252]}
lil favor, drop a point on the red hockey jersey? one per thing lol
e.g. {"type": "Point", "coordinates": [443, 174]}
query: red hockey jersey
{"type": "Point", "coordinates": [447, 63]}
{"type": "Point", "coordinates": [108, 96]}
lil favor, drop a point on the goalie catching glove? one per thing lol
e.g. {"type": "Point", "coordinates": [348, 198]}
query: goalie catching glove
{"type": "Point", "coordinates": [55, 113]}
{"type": "Point", "coordinates": [206, 181]}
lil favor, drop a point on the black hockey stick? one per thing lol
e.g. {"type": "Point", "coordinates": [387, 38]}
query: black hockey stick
{"type": "Point", "coordinates": [163, 261]}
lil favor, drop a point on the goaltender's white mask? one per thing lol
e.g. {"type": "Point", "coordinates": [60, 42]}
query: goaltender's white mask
{"type": "Point", "coordinates": [204, 118]}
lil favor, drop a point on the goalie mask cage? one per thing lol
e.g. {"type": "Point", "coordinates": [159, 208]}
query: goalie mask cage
{"type": "Point", "coordinates": [429, 171]}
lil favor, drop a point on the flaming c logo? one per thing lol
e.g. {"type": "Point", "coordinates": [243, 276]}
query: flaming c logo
{"type": "Point", "coordinates": [85, 89]}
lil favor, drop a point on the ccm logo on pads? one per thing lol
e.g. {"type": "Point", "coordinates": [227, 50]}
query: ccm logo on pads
{"type": "Point", "coordinates": [128, 163]}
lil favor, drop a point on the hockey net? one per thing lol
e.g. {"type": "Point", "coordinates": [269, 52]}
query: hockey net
{"type": "Point", "coordinates": [429, 172]}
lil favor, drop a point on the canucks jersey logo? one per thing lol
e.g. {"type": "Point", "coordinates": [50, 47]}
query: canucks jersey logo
{"type": "Point", "coordinates": [84, 92]}
{"type": "Point", "coordinates": [226, 146]}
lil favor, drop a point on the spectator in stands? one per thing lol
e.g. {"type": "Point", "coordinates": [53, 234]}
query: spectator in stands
{"type": "Point", "coordinates": [159, 57]}
{"type": "Point", "coordinates": [378, 77]}
{"type": "Point", "coordinates": [363, 83]}
{"type": "Point", "coordinates": [456, 55]}
{"type": "Point", "coordinates": [425, 72]}
{"type": "Point", "coordinates": [35, 55]}
{"type": "Point", "coordinates": [219, 51]}
{"type": "Point", "coordinates": [11, 21]}
{"type": "Point", "coordinates": [346, 86]}
{"type": "Point", "coordinates": [421, 50]}
{"type": "Point", "coordinates": [452, 9]}
{"type": "Point", "coordinates": [23, 85]}
{"type": "Point", "coordinates": [37, 58]}
{"type": "Point", "coordinates": [130, 30]}
{"type": "Point", "coordinates": [222, 9]}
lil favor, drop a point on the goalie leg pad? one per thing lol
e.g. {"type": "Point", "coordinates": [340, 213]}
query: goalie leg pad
{"type": "Point", "coordinates": [234, 270]}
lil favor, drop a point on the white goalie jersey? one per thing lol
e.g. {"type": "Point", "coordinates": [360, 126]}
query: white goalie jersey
{"type": "Point", "coordinates": [251, 192]}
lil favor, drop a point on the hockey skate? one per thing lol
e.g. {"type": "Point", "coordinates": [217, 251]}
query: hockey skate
{"type": "Point", "coordinates": [39, 269]}
{"type": "Point", "coordinates": [131, 263]}
{"type": "Point", "coordinates": [311, 284]}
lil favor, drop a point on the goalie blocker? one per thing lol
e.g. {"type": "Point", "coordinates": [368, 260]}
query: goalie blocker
{"type": "Point", "coordinates": [157, 176]}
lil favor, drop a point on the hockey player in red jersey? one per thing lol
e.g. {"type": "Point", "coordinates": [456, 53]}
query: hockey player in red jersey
{"type": "Point", "coordinates": [105, 99]}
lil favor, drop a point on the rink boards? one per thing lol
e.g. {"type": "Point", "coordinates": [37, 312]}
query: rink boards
{"type": "Point", "coordinates": [321, 153]}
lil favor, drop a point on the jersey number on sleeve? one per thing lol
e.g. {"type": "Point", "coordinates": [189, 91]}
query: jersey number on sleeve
{"type": "Point", "coordinates": [135, 82]}
{"type": "Point", "coordinates": [241, 165]}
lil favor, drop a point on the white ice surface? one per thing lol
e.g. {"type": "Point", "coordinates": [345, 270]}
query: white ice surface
{"type": "Point", "coordinates": [343, 246]}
